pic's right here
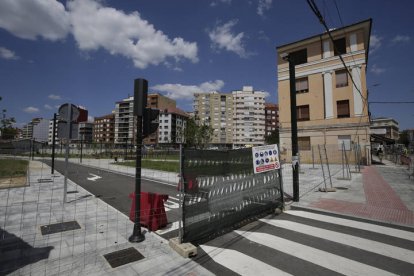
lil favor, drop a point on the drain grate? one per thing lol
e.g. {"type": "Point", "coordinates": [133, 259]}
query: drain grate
{"type": "Point", "coordinates": [122, 257]}
{"type": "Point", "coordinates": [59, 227]}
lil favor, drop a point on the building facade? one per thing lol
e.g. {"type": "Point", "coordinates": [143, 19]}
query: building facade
{"type": "Point", "coordinates": [248, 117]}
{"type": "Point", "coordinates": [386, 127]}
{"type": "Point", "coordinates": [104, 129]}
{"type": "Point", "coordinates": [216, 110]}
{"type": "Point", "coordinates": [331, 100]}
{"type": "Point", "coordinates": [125, 128]}
{"type": "Point", "coordinates": [172, 124]}
{"type": "Point", "coordinates": [41, 130]}
{"type": "Point", "coordinates": [271, 118]}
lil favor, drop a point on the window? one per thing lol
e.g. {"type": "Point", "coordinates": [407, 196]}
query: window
{"type": "Point", "coordinates": [304, 143]}
{"type": "Point", "coordinates": [302, 113]}
{"type": "Point", "coordinates": [343, 109]}
{"type": "Point", "coordinates": [302, 85]}
{"type": "Point", "coordinates": [299, 57]}
{"type": "Point", "coordinates": [341, 77]}
{"type": "Point", "coordinates": [344, 141]}
{"type": "Point", "coordinates": [339, 46]}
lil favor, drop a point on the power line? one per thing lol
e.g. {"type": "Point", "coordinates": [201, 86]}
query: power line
{"type": "Point", "coordinates": [316, 11]}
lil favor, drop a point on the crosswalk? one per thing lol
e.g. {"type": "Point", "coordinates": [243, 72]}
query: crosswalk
{"type": "Point", "coordinates": [306, 243]}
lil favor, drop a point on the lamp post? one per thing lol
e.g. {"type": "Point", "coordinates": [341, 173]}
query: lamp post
{"type": "Point", "coordinates": [294, 125]}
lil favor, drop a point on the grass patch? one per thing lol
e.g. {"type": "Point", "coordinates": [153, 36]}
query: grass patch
{"type": "Point", "coordinates": [13, 168]}
{"type": "Point", "coordinates": [154, 165]}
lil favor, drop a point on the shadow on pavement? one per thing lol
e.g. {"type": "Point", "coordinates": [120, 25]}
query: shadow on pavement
{"type": "Point", "coordinates": [16, 253]}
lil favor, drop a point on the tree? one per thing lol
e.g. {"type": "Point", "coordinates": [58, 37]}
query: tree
{"type": "Point", "coordinates": [8, 132]}
{"type": "Point", "coordinates": [273, 138]}
{"type": "Point", "coordinates": [404, 139]}
{"type": "Point", "coordinates": [198, 136]}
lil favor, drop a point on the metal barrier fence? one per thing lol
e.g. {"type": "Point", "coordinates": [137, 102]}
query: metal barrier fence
{"type": "Point", "coordinates": [321, 163]}
{"type": "Point", "coordinates": [221, 192]}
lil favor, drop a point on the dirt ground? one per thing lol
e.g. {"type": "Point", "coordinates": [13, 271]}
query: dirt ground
{"type": "Point", "coordinates": [13, 182]}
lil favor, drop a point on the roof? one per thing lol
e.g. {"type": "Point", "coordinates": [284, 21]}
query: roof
{"type": "Point", "coordinates": [175, 110]}
{"type": "Point", "coordinates": [333, 32]}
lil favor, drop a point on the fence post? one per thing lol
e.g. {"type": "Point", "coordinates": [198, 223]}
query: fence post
{"type": "Point", "coordinates": [181, 197]}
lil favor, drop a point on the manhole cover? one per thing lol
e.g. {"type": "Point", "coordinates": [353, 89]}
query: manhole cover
{"type": "Point", "coordinates": [124, 256]}
{"type": "Point", "coordinates": [59, 227]}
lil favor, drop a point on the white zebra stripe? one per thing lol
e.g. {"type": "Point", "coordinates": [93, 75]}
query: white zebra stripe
{"type": "Point", "coordinates": [240, 263]}
{"type": "Point", "coordinates": [319, 257]}
{"type": "Point", "coordinates": [355, 224]}
{"type": "Point", "coordinates": [349, 240]}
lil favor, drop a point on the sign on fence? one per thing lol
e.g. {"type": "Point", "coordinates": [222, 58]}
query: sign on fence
{"type": "Point", "coordinates": [265, 158]}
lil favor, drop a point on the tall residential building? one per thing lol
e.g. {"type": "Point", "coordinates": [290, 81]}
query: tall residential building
{"type": "Point", "coordinates": [125, 122]}
{"type": "Point", "coordinates": [248, 117]}
{"type": "Point", "coordinates": [28, 128]}
{"type": "Point", "coordinates": [271, 118]}
{"type": "Point", "coordinates": [172, 124]}
{"type": "Point", "coordinates": [216, 110]}
{"type": "Point", "coordinates": [40, 130]}
{"type": "Point", "coordinates": [104, 129]}
{"type": "Point", "coordinates": [331, 106]}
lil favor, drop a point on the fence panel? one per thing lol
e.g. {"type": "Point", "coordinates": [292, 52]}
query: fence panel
{"type": "Point", "coordinates": [222, 192]}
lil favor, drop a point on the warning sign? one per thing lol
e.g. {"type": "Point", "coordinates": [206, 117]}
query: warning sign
{"type": "Point", "coordinates": [265, 158]}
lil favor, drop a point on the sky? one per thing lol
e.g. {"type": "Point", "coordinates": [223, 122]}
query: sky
{"type": "Point", "coordinates": [88, 52]}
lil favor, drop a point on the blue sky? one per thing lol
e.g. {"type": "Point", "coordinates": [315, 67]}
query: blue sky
{"type": "Point", "coordinates": [88, 52]}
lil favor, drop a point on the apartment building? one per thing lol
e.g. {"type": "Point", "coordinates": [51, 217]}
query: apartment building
{"type": "Point", "coordinates": [385, 128]}
{"type": "Point", "coordinates": [172, 124]}
{"type": "Point", "coordinates": [125, 122]}
{"type": "Point", "coordinates": [104, 129]}
{"type": "Point", "coordinates": [27, 129]}
{"type": "Point", "coordinates": [248, 117]}
{"type": "Point", "coordinates": [216, 110]}
{"type": "Point", "coordinates": [271, 118]}
{"type": "Point", "coordinates": [331, 101]}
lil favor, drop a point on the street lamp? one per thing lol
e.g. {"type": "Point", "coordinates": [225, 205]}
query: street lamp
{"type": "Point", "coordinates": [294, 124]}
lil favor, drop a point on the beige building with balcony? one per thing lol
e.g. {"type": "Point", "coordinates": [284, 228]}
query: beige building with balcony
{"type": "Point", "coordinates": [216, 110]}
{"type": "Point", "coordinates": [249, 117]}
{"type": "Point", "coordinates": [332, 107]}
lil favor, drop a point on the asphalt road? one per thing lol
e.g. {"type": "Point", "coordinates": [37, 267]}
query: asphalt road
{"type": "Point", "coordinates": [115, 188]}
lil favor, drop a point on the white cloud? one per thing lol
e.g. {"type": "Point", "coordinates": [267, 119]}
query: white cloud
{"type": "Point", "coordinates": [263, 6]}
{"type": "Point", "coordinates": [7, 54]}
{"type": "Point", "coordinates": [401, 38]}
{"type": "Point", "coordinates": [48, 107]}
{"type": "Point", "coordinates": [31, 109]}
{"type": "Point", "coordinates": [30, 19]}
{"type": "Point", "coordinates": [375, 43]}
{"type": "Point", "coordinates": [54, 97]}
{"type": "Point", "coordinates": [377, 70]}
{"type": "Point", "coordinates": [223, 38]}
{"type": "Point", "coordinates": [186, 92]}
{"type": "Point", "coordinates": [215, 3]}
{"type": "Point", "coordinates": [96, 26]}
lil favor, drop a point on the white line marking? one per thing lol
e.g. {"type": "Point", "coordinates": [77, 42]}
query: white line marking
{"type": "Point", "coordinates": [171, 205]}
{"type": "Point", "coordinates": [173, 226]}
{"type": "Point", "coordinates": [240, 263]}
{"type": "Point", "coordinates": [349, 240]}
{"type": "Point", "coordinates": [94, 177]}
{"type": "Point", "coordinates": [355, 224]}
{"type": "Point", "coordinates": [319, 257]}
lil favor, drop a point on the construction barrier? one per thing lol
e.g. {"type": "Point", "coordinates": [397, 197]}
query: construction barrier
{"type": "Point", "coordinates": [152, 213]}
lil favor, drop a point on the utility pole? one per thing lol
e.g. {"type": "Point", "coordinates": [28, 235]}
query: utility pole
{"type": "Point", "coordinates": [294, 125]}
{"type": "Point", "coordinates": [140, 102]}
{"type": "Point", "coordinates": [53, 143]}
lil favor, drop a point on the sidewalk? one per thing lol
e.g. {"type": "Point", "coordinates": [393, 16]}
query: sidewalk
{"type": "Point", "coordinates": [27, 249]}
{"type": "Point", "coordinates": [380, 192]}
